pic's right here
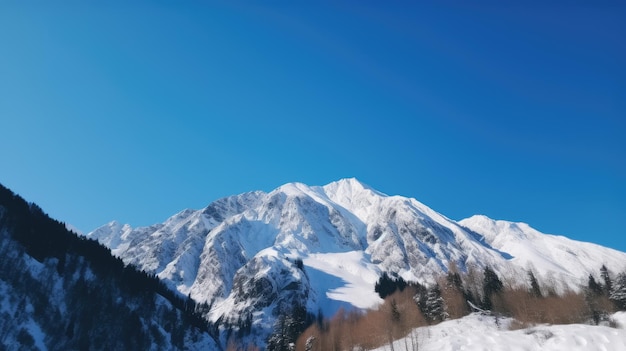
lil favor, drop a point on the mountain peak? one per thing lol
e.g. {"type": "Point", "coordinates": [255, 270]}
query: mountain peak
{"type": "Point", "coordinates": [349, 182]}
{"type": "Point", "coordinates": [478, 220]}
{"type": "Point", "coordinates": [293, 188]}
{"type": "Point", "coordinates": [482, 223]}
{"type": "Point", "coordinates": [349, 187]}
{"type": "Point", "coordinates": [344, 191]}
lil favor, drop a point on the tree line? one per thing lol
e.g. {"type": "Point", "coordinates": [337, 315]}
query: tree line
{"type": "Point", "coordinates": [408, 305]}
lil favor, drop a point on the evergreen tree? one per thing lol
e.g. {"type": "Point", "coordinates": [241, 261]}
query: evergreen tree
{"type": "Point", "coordinates": [491, 285]}
{"type": "Point", "coordinates": [593, 286]}
{"type": "Point", "coordinates": [534, 285]}
{"type": "Point", "coordinates": [593, 298]}
{"type": "Point", "coordinates": [278, 340]}
{"type": "Point", "coordinates": [434, 307]}
{"type": "Point", "coordinates": [618, 292]}
{"type": "Point", "coordinates": [608, 284]}
{"type": "Point", "coordinates": [455, 296]}
{"type": "Point", "coordinates": [387, 285]}
{"type": "Point", "coordinates": [289, 326]}
{"type": "Point", "coordinates": [454, 280]}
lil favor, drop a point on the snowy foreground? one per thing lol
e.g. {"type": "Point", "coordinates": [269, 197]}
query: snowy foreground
{"type": "Point", "coordinates": [481, 333]}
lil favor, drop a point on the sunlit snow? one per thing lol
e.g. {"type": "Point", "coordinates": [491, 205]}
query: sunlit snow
{"type": "Point", "coordinates": [356, 278]}
{"type": "Point", "coordinates": [482, 333]}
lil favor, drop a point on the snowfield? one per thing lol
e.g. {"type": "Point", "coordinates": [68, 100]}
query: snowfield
{"type": "Point", "coordinates": [481, 333]}
{"type": "Point", "coordinates": [345, 277]}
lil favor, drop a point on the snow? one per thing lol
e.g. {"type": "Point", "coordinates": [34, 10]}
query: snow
{"type": "Point", "coordinates": [5, 305]}
{"type": "Point", "coordinates": [355, 283]}
{"type": "Point", "coordinates": [571, 261]}
{"type": "Point", "coordinates": [346, 234]}
{"type": "Point", "coordinates": [38, 335]}
{"type": "Point", "coordinates": [481, 333]}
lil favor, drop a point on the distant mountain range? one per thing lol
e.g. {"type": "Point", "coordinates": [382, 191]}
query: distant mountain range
{"type": "Point", "coordinates": [254, 256]}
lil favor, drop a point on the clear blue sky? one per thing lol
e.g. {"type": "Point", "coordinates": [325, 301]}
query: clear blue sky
{"type": "Point", "coordinates": [134, 112]}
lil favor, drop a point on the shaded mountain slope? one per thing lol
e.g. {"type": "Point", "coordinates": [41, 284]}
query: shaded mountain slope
{"type": "Point", "coordinates": [59, 291]}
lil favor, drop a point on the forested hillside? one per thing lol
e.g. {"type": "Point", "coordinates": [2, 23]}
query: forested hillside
{"type": "Point", "coordinates": [59, 291]}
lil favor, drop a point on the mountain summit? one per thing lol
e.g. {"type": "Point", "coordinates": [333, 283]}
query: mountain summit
{"type": "Point", "coordinates": [255, 255]}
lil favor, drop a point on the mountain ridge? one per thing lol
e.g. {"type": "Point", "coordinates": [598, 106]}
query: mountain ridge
{"type": "Point", "coordinates": [258, 254]}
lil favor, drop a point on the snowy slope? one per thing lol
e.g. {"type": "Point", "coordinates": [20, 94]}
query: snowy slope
{"type": "Point", "coordinates": [256, 254]}
{"type": "Point", "coordinates": [549, 255]}
{"type": "Point", "coordinates": [481, 333]}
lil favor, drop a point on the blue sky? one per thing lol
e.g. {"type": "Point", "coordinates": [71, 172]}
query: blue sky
{"type": "Point", "coordinates": [136, 111]}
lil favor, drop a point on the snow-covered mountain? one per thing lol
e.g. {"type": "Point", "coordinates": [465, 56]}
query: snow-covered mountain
{"type": "Point", "coordinates": [254, 255]}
